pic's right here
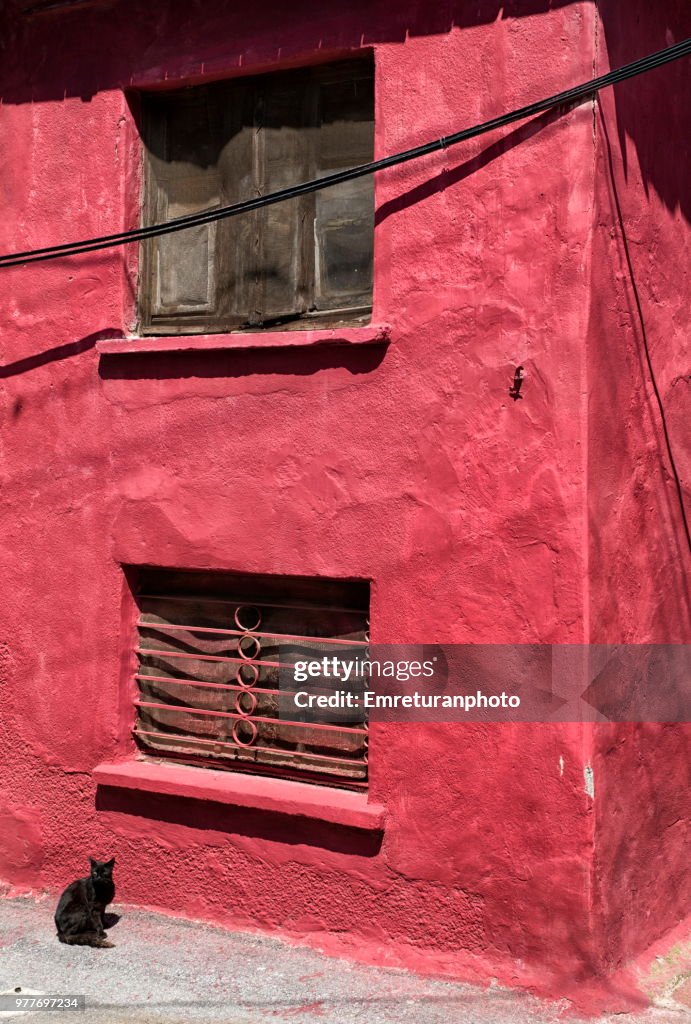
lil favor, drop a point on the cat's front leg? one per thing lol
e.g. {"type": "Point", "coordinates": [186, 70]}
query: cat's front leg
{"type": "Point", "coordinates": [97, 922]}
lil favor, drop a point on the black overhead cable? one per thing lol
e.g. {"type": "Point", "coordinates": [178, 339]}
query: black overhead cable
{"type": "Point", "coordinates": [570, 96]}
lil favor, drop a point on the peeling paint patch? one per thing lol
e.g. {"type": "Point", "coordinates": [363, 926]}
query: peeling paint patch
{"type": "Point", "coordinates": [589, 776]}
{"type": "Point", "coordinates": [561, 766]}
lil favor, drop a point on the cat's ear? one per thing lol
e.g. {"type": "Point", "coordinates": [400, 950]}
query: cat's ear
{"type": "Point", "coordinates": [93, 862]}
{"type": "Point", "coordinates": [110, 863]}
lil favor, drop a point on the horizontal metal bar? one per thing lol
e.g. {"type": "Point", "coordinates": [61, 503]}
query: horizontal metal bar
{"type": "Point", "coordinates": [211, 657]}
{"type": "Point", "coordinates": [198, 682]}
{"type": "Point", "coordinates": [350, 730]}
{"type": "Point", "coordinates": [258, 662]}
{"type": "Point", "coordinates": [267, 750]}
{"type": "Point", "coordinates": [199, 598]}
{"type": "Point", "coordinates": [235, 687]}
{"type": "Point", "coordinates": [252, 632]}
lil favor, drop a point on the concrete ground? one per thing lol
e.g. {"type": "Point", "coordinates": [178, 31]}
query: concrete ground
{"type": "Point", "coordinates": [178, 972]}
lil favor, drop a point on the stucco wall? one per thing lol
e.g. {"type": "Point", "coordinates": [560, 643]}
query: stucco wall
{"type": "Point", "coordinates": [638, 551]}
{"type": "Point", "coordinates": [407, 464]}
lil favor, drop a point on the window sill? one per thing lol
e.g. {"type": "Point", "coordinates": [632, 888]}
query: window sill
{"type": "Point", "coordinates": [280, 796]}
{"type": "Point", "coordinates": [371, 335]}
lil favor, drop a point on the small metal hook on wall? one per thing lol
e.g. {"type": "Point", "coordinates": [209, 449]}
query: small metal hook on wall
{"type": "Point", "coordinates": [518, 378]}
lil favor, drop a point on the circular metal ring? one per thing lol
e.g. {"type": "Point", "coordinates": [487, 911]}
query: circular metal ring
{"type": "Point", "coordinates": [242, 609]}
{"type": "Point", "coordinates": [248, 667]}
{"type": "Point", "coordinates": [235, 732]}
{"type": "Point", "coordinates": [243, 654]}
{"type": "Point", "coordinates": [238, 703]}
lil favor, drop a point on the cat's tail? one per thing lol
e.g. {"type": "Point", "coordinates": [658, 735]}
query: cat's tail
{"type": "Point", "coordinates": [86, 939]}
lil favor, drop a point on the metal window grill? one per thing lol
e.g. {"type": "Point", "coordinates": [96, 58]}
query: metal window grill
{"type": "Point", "coordinates": [210, 648]}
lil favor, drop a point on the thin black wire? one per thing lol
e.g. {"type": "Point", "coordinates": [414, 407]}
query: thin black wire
{"type": "Point", "coordinates": [566, 98]}
{"type": "Point", "coordinates": [644, 334]}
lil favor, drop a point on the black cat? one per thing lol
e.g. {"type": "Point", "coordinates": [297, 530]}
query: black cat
{"type": "Point", "coordinates": [79, 918]}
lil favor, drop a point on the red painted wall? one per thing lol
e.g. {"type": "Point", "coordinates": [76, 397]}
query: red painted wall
{"type": "Point", "coordinates": [408, 465]}
{"type": "Point", "coordinates": [638, 553]}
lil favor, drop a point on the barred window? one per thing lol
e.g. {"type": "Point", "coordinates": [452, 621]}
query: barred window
{"type": "Point", "coordinates": [210, 648]}
{"type": "Point", "coordinates": [303, 261]}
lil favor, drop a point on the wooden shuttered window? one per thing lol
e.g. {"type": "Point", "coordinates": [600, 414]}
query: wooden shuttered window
{"type": "Point", "coordinates": [211, 656]}
{"type": "Point", "coordinates": [308, 258]}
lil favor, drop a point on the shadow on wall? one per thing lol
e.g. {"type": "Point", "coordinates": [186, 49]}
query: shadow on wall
{"type": "Point", "coordinates": [57, 354]}
{"type": "Point", "coordinates": [240, 363]}
{"type": "Point", "coordinates": [66, 63]}
{"type": "Point", "coordinates": [205, 816]}
{"type": "Point", "coordinates": [652, 110]}
{"type": "Point", "coordinates": [452, 175]}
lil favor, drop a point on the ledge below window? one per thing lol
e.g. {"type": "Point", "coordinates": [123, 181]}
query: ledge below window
{"type": "Point", "coordinates": [371, 335]}
{"type": "Point", "coordinates": [280, 796]}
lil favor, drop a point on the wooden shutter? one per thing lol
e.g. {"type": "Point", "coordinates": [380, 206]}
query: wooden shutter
{"type": "Point", "coordinates": [344, 214]}
{"type": "Point", "coordinates": [238, 254]}
{"type": "Point", "coordinates": [282, 139]}
{"type": "Point", "coordinates": [184, 144]}
{"type": "Point", "coordinates": [222, 143]}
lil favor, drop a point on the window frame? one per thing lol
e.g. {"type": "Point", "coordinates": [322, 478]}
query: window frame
{"type": "Point", "coordinates": [156, 591]}
{"type": "Point", "coordinates": [182, 323]}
